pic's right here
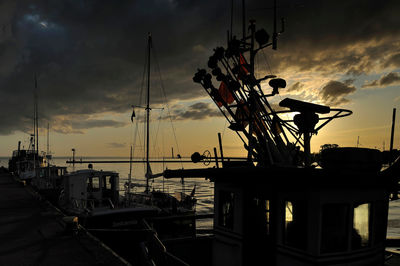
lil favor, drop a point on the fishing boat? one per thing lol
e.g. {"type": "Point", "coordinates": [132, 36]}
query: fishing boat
{"type": "Point", "coordinates": [24, 163]}
{"type": "Point", "coordinates": [48, 181]}
{"type": "Point", "coordinates": [278, 207]}
{"type": "Point", "coordinates": [93, 196]}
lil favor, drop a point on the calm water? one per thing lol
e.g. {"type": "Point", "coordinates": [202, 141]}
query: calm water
{"type": "Point", "coordinates": [204, 188]}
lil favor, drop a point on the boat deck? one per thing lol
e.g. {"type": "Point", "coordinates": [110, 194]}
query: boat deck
{"type": "Point", "coordinates": [32, 233]}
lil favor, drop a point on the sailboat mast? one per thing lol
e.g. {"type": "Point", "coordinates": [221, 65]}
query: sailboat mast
{"type": "Point", "coordinates": [36, 119]}
{"type": "Point", "coordinates": [48, 136]}
{"type": "Point", "coordinates": [148, 114]}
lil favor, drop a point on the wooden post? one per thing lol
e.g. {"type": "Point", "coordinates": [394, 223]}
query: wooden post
{"type": "Point", "coordinates": [220, 148]}
{"type": "Point", "coordinates": [216, 157]}
{"type": "Point", "coordinates": [392, 136]}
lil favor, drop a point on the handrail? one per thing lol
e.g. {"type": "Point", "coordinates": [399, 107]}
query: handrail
{"type": "Point", "coordinates": [156, 251]}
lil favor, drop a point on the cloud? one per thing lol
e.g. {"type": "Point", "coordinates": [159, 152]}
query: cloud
{"type": "Point", "coordinates": [393, 61]}
{"type": "Point", "coordinates": [392, 78]}
{"type": "Point", "coordinates": [79, 124]}
{"type": "Point", "coordinates": [116, 145]}
{"type": "Point", "coordinates": [89, 56]}
{"type": "Point", "coordinates": [334, 92]}
{"type": "Point", "coordinates": [197, 111]}
{"type": "Point", "coordinates": [298, 86]}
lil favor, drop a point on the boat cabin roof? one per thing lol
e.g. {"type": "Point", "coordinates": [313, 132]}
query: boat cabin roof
{"type": "Point", "coordinates": [92, 172]}
{"type": "Point", "coordinates": [288, 176]}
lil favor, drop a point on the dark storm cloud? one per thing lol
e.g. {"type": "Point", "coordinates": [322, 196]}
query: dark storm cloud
{"type": "Point", "coordinates": [197, 111]}
{"type": "Point", "coordinates": [393, 61]}
{"type": "Point", "coordinates": [298, 86]}
{"type": "Point", "coordinates": [392, 78]}
{"type": "Point", "coordinates": [78, 123]}
{"type": "Point", "coordinates": [334, 92]}
{"type": "Point", "coordinates": [89, 55]}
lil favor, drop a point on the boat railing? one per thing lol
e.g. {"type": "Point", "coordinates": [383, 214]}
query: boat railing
{"type": "Point", "coordinates": [91, 204]}
{"type": "Point", "coordinates": [140, 198]}
{"type": "Point", "coordinates": [155, 253]}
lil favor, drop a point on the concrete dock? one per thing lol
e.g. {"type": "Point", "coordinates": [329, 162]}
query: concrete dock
{"type": "Point", "coordinates": [32, 232]}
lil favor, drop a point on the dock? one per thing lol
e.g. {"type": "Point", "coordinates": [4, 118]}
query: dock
{"type": "Point", "coordinates": [32, 232]}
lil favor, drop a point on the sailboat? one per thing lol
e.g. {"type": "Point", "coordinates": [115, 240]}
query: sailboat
{"type": "Point", "coordinates": [278, 208]}
{"type": "Point", "coordinates": [124, 221]}
{"type": "Point", "coordinates": [179, 208]}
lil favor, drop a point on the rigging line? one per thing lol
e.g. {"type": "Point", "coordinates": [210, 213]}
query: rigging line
{"type": "Point", "coordinates": [223, 132]}
{"type": "Point", "coordinates": [265, 56]}
{"type": "Point", "coordinates": [165, 100]}
{"type": "Point", "coordinates": [137, 132]}
{"type": "Point", "coordinates": [157, 131]}
{"type": "Point", "coordinates": [266, 60]}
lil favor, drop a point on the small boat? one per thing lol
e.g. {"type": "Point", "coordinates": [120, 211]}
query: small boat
{"type": "Point", "coordinates": [180, 205]}
{"type": "Point", "coordinates": [48, 181]}
{"type": "Point", "coordinates": [93, 196]}
{"type": "Point", "coordinates": [24, 163]}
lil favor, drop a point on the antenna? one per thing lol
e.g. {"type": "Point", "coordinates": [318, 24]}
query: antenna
{"type": "Point", "coordinates": [244, 19]}
{"type": "Point", "coordinates": [230, 36]}
{"type": "Point", "coordinates": [276, 34]}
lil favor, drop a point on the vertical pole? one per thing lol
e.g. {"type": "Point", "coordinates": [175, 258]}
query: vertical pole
{"type": "Point", "coordinates": [307, 138]}
{"type": "Point", "coordinates": [251, 95]}
{"type": "Point", "coordinates": [129, 176]}
{"type": "Point", "coordinates": [230, 36]}
{"type": "Point", "coordinates": [244, 19]}
{"type": "Point", "coordinates": [148, 115]}
{"type": "Point", "coordinates": [48, 138]}
{"type": "Point", "coordinates": [37, 117]}
{"type": "Point", "coordinates": [73, 157]}
{"type": "Point", "coordinates": [220, 148]}
{"type": "Point", "coordinates": [19, 147]}
{"type": "Point", "coordinates": [216, 157]}
{"type": "Point", "coordinates": [172, 150]}
{"type": "Point", "coordinates": [392, 136]}
{"type": "Point", "coordinates": [274, 34]}
{"type": "Point", "coordinates": [35, 124]}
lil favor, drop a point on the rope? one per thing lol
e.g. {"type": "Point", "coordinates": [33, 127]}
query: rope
{"type": "Point", "coordinates": [166, 103]}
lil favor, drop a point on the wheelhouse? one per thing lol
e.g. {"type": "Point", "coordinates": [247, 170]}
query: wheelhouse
{"type": "Point", "coordinates": [90, 190]}
{"type": "Point", "coordinates": [289, 216]}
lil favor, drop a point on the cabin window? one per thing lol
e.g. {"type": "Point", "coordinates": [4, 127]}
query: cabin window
{"type": "Point", "coordinates": [380, 224]}
{"type": "Point", "coordinates": [108, 181]}
{"type": "Point", "coordinates": [296, 224]}
{"type": "Point", "coordinates": [226, 207]}
{"type": "Point", "coordinates": [93, 184]}
{"type": "Point", "coordinates": [261, 215]}
{"type": "Point", "coordinates": [334, 226]}
{"type": "Point", "coordinates": [361, 225]}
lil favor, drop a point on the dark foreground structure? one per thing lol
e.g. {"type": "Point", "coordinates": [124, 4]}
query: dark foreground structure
{"type": "Point", "coordinates": [32, 232]}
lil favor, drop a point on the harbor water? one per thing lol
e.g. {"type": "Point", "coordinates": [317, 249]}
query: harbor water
{"type": "Point", "coordinates": [203, 188]}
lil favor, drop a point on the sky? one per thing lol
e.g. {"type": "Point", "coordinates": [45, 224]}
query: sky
{"type": "Point", "coordinates": [89, 59]}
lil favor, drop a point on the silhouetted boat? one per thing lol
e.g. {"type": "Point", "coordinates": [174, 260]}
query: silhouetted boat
{"type": "Point", "coordinates": [277, 208]}
{"type": "Point", "coordinates": [24, 163]}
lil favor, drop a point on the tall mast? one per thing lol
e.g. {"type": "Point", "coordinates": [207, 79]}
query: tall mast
{"type": "Point", "coordinates": [36, 118]}
{"type": "Point", "coordinates": [148, 114]}
{"type": "Point", "coordinates": [48, 129]}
